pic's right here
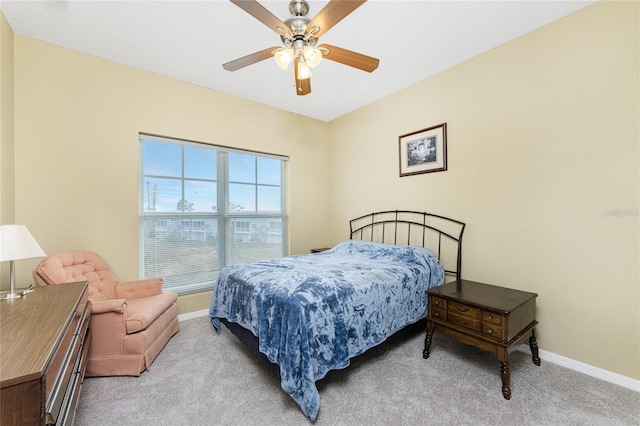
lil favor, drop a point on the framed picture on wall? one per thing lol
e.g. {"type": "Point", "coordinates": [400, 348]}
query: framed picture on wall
{"type": "Point", "coordinates": [423, 151]}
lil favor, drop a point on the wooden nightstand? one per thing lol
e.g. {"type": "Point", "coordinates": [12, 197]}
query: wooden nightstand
{"type": "Point", "coordinates": [489, 317]}
{"type": "Point", "coordinates": [319, 250]}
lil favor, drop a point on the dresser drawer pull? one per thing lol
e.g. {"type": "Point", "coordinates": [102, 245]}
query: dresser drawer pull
{"type": "Point", "coordinates": [462, 308]}
{"type": "Point", "coordinates": [436, 302]}
{"type": "Point", "coordinates": [490, 317]}
{"type": "Point", "coordinates": [461, 321]}
{"type": "Point", "coordinates": [436, 314]}
{"type": "Point", "coordinates": [490, 331]}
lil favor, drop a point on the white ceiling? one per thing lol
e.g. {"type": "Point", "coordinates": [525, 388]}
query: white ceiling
{"type": "Point", "coordinates": [190, 40]}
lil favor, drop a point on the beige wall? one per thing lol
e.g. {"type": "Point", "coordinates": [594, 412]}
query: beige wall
{"type": "Point", "coordinates": [77, 120]}
{"type": "Point", "coordinates": [7, 186]}
{"type": "Point", "coordinates": [543, 136]}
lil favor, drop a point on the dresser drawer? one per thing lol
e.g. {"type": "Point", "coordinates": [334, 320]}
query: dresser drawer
{"type": "Point", "coordinates": [59, 376]}
{"type": "Point", "coordinates": [83, 323]}
{"type": "Point", "coordinates": [73, 393]}
{"type": "Point", "coordinates": [65, 389]}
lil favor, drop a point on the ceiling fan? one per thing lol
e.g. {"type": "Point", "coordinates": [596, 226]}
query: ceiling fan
{"type": "Point", "coordinates": [299, 36]}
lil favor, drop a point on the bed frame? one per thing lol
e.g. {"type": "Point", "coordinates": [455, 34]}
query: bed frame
{"type": "Point", "coordinates": [441, 235]}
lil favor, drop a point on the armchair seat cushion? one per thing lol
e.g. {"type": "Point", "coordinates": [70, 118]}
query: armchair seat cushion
{"type": "Point", "coordinates": [143, 312]}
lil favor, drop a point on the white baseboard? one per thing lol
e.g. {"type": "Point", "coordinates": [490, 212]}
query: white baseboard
{"type": "Point", "coordinates": [599, 373]}
{"type": "Point", "coordinates": [192, 315]}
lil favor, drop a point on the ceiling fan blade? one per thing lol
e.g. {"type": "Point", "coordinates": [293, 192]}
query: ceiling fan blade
{"type": "Point", "coordinates": [249, 59]}
{"type": "Point", "coordinates": [334, 12]}
{"type": "Point", "coordinates": [347, 57]}
{"type": "Point", "coordinates": [262, 14]}
{"type": "Point", "coordinates": [303, 86]}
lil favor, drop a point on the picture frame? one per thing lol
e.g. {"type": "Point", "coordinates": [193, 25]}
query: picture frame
{"type": "Point", "coordinates": [423, 151]}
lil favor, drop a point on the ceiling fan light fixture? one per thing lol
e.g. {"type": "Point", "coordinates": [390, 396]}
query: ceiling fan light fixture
{"type": "Point", "coordinates": [283, 57]}
{"type": "Point", "coordinates": [313, 56]}
{"type": "Point", "coordinates": [304, 71]}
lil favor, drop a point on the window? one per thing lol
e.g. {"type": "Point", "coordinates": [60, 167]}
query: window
{"type": "Point", "coordinates": [203, 207]}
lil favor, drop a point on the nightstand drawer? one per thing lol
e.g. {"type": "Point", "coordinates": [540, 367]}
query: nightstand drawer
{"type": "Point", "coordinates": [438, 313]}
{"type": "Point", "coordinates": [492, 330]}
{"type": "Point", "coordinates": [491, 317]}
{"type": "Point", "coordinates": [436, 302]}
{"type": "Point", "coordinates": [463, 321]}
{"type": "Point", "coordinates": [462, 309]}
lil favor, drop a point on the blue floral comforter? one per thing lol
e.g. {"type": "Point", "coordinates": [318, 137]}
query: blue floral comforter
{"type": "Point", "coordinates": [314, 312]}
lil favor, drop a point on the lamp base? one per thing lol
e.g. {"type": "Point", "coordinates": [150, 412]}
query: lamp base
{"type": "Point", "coordinates": [15, 295]}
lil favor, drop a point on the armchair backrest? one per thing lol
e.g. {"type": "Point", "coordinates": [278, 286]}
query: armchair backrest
{"type": "Point", "coordinates": [78, 265]}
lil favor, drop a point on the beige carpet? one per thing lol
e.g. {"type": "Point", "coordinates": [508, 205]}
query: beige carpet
{"type": "Point", "coordinates": [202, 378]}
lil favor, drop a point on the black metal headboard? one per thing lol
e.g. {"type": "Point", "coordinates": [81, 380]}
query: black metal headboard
{"type": "Point", "coordinates": [403, 227]}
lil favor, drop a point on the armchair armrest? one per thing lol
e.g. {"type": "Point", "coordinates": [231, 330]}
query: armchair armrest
{"type": "Point", "coordinates": [108, 326]}
{"type": "Point", "coordinates": [140, 288]}
{"type": "Point", "coordinates": [114, 305]}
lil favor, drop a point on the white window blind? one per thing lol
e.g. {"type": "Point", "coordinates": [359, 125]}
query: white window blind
{"type": "Point", "coordinates": [203, 207]}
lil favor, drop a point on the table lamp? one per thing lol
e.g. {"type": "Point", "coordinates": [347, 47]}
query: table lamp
{"type": "Point", "coordinates": [16, 243]}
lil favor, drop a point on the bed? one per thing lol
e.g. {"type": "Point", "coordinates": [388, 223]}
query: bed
{"type": "Point", "coordinates": [305, 315]}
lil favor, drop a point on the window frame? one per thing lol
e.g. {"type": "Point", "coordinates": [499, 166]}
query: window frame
{"type": "Point", "coordinates": [222, 215]}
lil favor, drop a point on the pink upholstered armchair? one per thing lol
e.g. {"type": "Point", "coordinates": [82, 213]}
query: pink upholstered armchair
{"type": "Point", "coordinates": [131, 322]}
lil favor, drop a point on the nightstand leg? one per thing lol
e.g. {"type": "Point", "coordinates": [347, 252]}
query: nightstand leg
{"type": "Point", "coordinates": [533, 344]}
{"type": "Point", "coordinates": [427, 339]}
{"type": "Point", "coordinates": [506, 379]}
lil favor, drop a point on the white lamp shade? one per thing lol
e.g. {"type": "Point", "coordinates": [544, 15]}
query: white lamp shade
{"type": "Point", "coordinates": [313, 56]}
{"type": "Point", "coordinates": [283, 57]}
{"type": "Point", "coordinates": [304, 71]}
{"type": "Point", "coordinates": [16, 242]}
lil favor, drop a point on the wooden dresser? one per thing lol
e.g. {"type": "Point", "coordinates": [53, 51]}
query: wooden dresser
{"type": "Point", "coordinates": [44, 342]}
{"type": "Point", "coordinates": [489, 317]}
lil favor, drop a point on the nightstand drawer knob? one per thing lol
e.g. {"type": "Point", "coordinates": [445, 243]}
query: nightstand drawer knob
{"type": "Point", "coordinates": [462, 308]}
{"type": "Point", "coordinates": [436, 314]}
{"type": "Point", "coordinates": [436, 302]}
{"type": "Point", "coordinates": [490, 331]}
{"type": "Point", "coordinates": [490, 317]}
